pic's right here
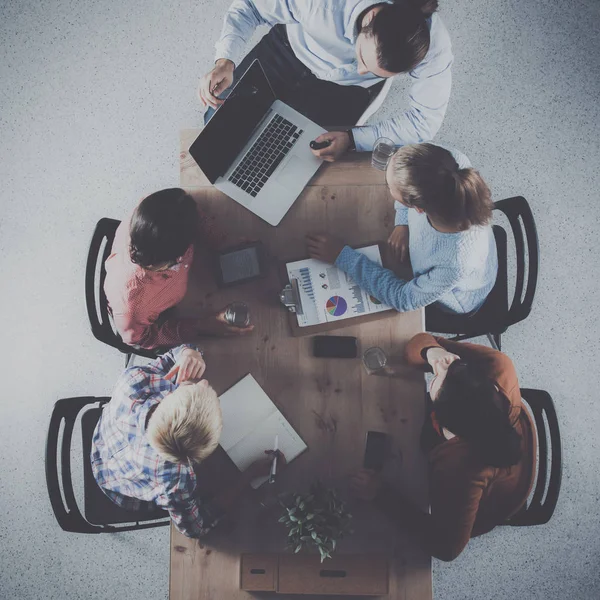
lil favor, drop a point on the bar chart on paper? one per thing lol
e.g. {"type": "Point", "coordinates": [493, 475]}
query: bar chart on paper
{"type": "Point", "coordinates": [327, 294]}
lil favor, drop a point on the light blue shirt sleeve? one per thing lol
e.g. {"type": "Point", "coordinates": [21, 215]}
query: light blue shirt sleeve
{"type": "Point", "coordinates": [244, 16]}
{"type": "Point", "coordinates": [428, 98]}
{"type": "Point", "coordinates": [384, 285]}
{"type": "Point", "coordinates": [401, 217]}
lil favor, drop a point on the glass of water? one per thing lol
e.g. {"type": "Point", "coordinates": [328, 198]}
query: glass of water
{"type": "Point", "coordinates": [237, 314]}
{"type": "Point", "coordinates": [383, 150]}
{"type": "Point", "coordinates": [374, 360]}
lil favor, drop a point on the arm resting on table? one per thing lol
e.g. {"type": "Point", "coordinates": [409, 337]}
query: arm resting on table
{"type": "Point", "coordinates": [388, 288]}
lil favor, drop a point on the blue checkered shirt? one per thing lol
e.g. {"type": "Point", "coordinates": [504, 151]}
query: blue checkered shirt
{"type": "Point", "coordinates": [127, 468]}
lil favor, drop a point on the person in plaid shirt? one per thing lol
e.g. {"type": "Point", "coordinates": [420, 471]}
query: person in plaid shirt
{"type": "Point", "coordinates": [161, 419]}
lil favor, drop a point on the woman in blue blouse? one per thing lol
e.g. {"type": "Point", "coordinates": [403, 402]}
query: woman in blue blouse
{"type": "Point", "coordinates": [443, 213]}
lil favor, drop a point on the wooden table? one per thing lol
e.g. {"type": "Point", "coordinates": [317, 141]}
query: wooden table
{"type": "Point", "coordinates": [331, 403]}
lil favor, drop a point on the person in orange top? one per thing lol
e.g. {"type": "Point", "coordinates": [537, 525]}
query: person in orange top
{"type": "Point", "coordinates": [480, 442]}
{"type": "Point", "coordinates": [148, 268]}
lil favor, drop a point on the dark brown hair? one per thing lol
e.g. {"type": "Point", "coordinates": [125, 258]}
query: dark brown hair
{"type": "Point", "coordinates": [162, 227]}
{"type": "Point", "coordinates": [470, 406]}
{"type": "Point", "coordinates": [401, 33]}
{"type": "Point", "coordinates": [428, 177]}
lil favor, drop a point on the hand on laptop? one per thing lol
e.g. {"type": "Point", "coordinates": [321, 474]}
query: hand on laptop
{"type": "Point", "coordinates": [324, 247]}
{"type": "Point", "coordinates": [340, 142]}
{"type": "Point", "coordinates": [215, 82]}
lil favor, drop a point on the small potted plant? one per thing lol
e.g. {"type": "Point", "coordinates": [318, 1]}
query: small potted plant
{"type": "Point", "coordinates": [317, 519]}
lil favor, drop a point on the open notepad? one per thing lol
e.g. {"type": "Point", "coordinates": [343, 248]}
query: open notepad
{"type": "Point", "coordinates": [250, 423]}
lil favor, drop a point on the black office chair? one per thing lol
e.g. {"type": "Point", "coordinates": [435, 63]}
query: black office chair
{"type": "Point", "coordinates": [495, 316]}
{"type": "Point", "coordinates": [100, 513]}
{"type": "Point", "coordinates": [547, 484]}
{"type": "Point", "coordinates": [95, 298]}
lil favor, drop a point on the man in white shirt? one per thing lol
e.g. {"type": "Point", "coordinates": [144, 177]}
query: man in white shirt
{"type": "Point", "coordinates": [328, 59]}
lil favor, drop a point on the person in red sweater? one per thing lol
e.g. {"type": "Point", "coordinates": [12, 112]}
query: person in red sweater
{"type": "Point", "coordinates": [480, 442]}
{"type": "Point", "coordinates": [148, 268]}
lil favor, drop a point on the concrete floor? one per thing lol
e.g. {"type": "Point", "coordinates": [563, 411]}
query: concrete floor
{"type": "Point", "coordinates": [92, 97]}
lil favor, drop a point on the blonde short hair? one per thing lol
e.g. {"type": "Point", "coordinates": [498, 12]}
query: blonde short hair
{"type": "Point", "coordinates": [187, 424]}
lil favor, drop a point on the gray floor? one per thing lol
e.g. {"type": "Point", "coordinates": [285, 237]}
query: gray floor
{"type": "Point", "coordinates": [92, 97]}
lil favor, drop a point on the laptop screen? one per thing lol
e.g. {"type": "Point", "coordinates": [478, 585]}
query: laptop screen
{"type": "Point", "coordinates": [231, 126]}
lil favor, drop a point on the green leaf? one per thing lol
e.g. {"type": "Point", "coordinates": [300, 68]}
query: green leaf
{"type": "Point", "coordinates": [298, 548]}
{"type": "Point", "coordinates": [283, 519]}
{"type": "Point", "coordinates": [314, 535]}
{"type": "Point", "coordinates": [294, 519]}
{"type": "Point", "coordinates": [310, 516]}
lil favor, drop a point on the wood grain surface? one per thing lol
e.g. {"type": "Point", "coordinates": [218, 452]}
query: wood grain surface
{"type": "Point", "coordinates": [332, 403]}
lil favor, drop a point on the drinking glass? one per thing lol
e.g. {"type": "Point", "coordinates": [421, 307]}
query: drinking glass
{"type": "Point", "coordinates": [374, 360]}
{"type": "Point", "coordinates": [237, 314]}
{"type": "Point", "coordinates": [383, 150]}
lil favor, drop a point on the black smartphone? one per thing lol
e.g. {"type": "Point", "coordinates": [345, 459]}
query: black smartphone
{"type": "Point", "coordinates": [335, 346]}
{"type": "Point", "coordinates": [376, 450]}
{"type": "Point", "coordinates": [240, 264]}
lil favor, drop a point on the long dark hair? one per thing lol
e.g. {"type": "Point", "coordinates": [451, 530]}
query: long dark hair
{"type": "Point", "coordinates": [470, 406]}
{"type": "Point", "coordinates": [162, 227]}
{"type": "Point", "coordinates": [401, 33]}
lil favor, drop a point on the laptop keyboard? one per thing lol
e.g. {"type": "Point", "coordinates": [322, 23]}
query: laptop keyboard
{"type": "Point", "coordinates": [270, 148]}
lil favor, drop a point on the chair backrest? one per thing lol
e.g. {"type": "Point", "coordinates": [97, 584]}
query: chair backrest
{"type": "Point", "coordinates": [549, 474]}
{"type": "Point", "coordinates": [498, 312]}
{"type": "Point", "coordinates": [58, 454]}
{"type": "Point", "coordinates": [527, 255]}
{"type": "Point", "coordinates": [95, 298]}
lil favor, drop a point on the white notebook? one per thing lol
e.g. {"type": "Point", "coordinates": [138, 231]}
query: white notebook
{"type": "Point", "coordinates": [251, 422]}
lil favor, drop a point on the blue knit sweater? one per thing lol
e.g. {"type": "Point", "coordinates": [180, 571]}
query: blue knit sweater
{"type": "Point", "coordinates": [456, 270]}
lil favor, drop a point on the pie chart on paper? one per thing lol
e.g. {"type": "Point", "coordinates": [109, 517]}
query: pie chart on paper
{"type": "Point", "coordinates": [336, 306]}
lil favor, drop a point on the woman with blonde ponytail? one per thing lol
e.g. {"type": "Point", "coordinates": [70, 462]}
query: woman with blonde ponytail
{"type": "Point", "coordinates": [443, 213]}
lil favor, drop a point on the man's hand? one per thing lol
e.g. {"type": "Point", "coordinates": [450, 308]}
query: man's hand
{"type": "Point", "coordinates": [398, 242]}
{"type": "Point", "coordinates": [366, 484]}
{"type": "Point", "coordinates": [340, 142]}
{"type": "Point", "coordinates": [189, 367]}
{"type": "Point", "coordinates": [324, 247]}
{"type": "Point", "coordinates": [440, 359]}
{"type": "Point", "coordinates": [215, 82]}
{"type": "Point", "coordinates": [262, 466]}
{"type": "Point", "coordinates": [216, 325]}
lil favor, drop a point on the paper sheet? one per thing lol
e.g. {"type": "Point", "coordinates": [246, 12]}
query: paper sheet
{"type": "Point", "coordinates": [250, 423]}
{"type": "Point", "coordinates": [327, 294]}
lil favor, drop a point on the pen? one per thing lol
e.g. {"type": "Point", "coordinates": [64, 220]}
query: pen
{"type": "Point", "coordinates": [274, 463]}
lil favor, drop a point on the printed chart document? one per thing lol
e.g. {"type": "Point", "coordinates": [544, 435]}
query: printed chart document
{"type": "Point", "coordinates": [327, 294]}
{"type": "Point", "coordinates": [250, 423]}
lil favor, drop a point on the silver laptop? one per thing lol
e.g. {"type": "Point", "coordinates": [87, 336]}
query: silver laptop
{"type": "Point", "coordinates": [256, 149]}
